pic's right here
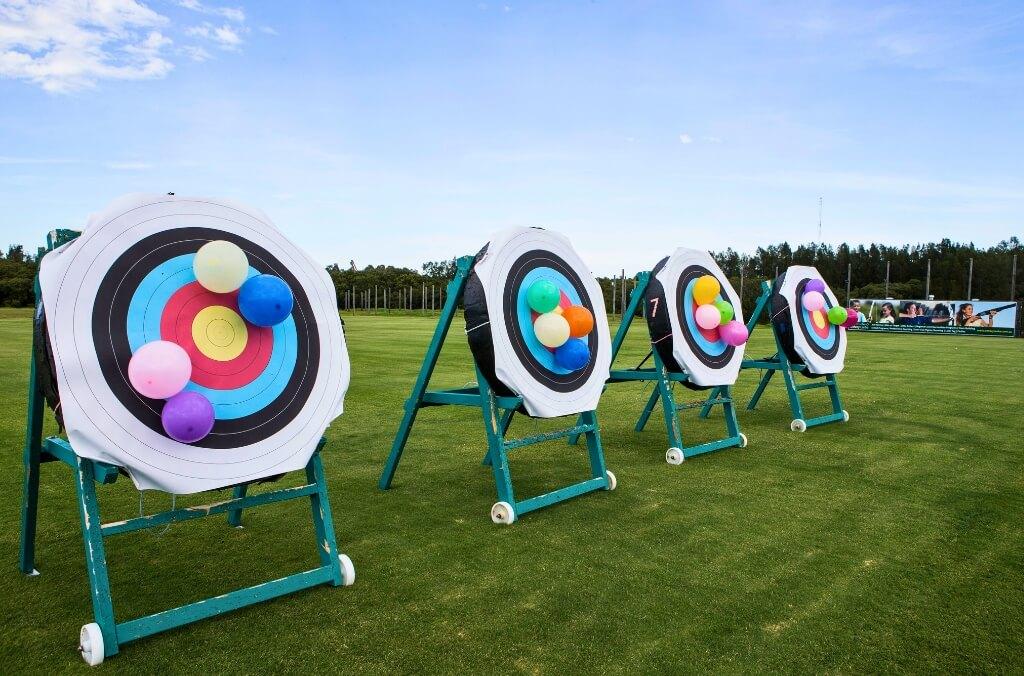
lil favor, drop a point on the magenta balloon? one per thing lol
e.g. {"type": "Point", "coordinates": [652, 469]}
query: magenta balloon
{"type": "Point", "coordinates": [733, 333]}
{"type": "Point", "coordinates": [815, 285]}
{"type": "Point", "coordinates": [159, 369]}
{"type": "Point", "coordinates": [187, 417]}
{"type": "Point", "coordinates": [813, 300]}
{"type": "Point", "coordinates": [708, 317]}
{"type": "Point", "coordinates": [851, 318]}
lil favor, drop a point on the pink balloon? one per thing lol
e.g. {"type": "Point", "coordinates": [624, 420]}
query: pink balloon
{"type": "Point", "coordinates": [851, 318]}
{"type": "Point", "coordinates": [813, 300]}
{"type": "Point", "coordinates": [708, 317]}
{"type": "Point", "coordinates": [733, 333]}
{"type": "Point", "coordinates": [159, 369]}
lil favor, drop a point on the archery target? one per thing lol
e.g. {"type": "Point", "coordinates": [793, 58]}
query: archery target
{"type": "Point", "coordinates": [128, 280]}
{"type": "Point", "coordinates": [807, 337]}
{"type": "Point", "coordinates": [499, 322]}
{"type": "Point", "coordinates": [681, 343]}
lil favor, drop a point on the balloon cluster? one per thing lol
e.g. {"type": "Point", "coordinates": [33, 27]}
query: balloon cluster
{"type": "Point", "coordinates": [559, 328]}
{"type": "Point", "coordinates": [161, 369]}
{"type": "Point", "coordinates": [713, 312]}
{"type": "Point", "coordinates": [813, 300]}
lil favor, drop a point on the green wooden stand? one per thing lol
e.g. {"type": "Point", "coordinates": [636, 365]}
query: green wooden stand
{"type": "Point", "coordinates": [105, 636]}
{"type": "Point", "coordinates": [779, 362]}
{"type": "Point", "coordinates": [665, 381]}
{"type": "Point", "coordinates": [497, 412]}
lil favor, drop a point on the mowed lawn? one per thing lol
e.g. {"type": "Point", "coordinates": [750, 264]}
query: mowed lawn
{"type": "Point", "coordinates": [892, 542]}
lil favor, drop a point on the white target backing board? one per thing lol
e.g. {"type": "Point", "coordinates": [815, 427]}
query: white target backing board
{"type": "Point", "coordinates": [128, 280]}
{"type": "Point", "coordinates": [819, 344]}
{"type": "Point", "coordinates": [708, 359]}
{"type": "Point", "coordinates": [499, 321]}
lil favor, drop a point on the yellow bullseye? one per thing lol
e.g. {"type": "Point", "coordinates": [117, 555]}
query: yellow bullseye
{"type": "Point", "coordinates": [219, 332]}
{"type": "Point", "coordinates": [819, 319]}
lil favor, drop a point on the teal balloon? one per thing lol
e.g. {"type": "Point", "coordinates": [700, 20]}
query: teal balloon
{"type": "Point", "coordinates": [543, 296]}
{"type": "Point", "coordinates": [726, 309]}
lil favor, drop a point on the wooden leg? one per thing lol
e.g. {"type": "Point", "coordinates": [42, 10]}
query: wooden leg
{"type": "Point", "coordinates": [95, 557]}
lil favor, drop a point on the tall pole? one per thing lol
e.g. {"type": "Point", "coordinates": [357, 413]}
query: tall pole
{"type": "Point", "coordinates": [741, 282]}
{"type": "Point", "coordinates": [970, 279]}
{"type": "Point", "coordinates": [613, 296]}
{"type": "Point", "coordinates": [423, 298]}
{"type": "Point", "coordinates": [887, 279]}
{"type": "Point", "coordinates": [622, 305]}
{"type": "Point", "coordinates": [928, 282]}
{"type": "Point", "coordinates": [1013, 279]}
{"type": "Point", "coordinates": [849, 273]}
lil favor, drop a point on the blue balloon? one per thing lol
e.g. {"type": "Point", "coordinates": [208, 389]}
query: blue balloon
{"type": "Point", "coordinates": [573, 355]}
{"type": "Point", "coordinates": [265, 300]}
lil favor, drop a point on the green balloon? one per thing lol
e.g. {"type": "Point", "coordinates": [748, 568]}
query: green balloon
{"type": "Point", "coordinates": [837, 315]}
{"type": "Point", "coordinates": [726, 309]}
{"type": "Point", "coordinates": [543, 296]}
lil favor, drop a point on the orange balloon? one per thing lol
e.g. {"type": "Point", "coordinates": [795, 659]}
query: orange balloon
{"type": "Point", "coordinates": [581, 321]}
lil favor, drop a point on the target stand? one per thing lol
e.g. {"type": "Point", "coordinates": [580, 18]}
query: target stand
{"type": "Point", "coordinates": [497, 412]}
{"type": "Point", "coordinates": [106, 635]}
{"type": "Point", "coordinates": [781, 363]}
{"type": "Point", "coordinates": [665, 380]}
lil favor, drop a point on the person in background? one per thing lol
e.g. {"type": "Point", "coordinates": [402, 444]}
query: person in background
{"type": "Point", "coordinates": [888, 313]}
{"type": "Point", "coordinates": [860, 315]}
{"type": "Point", "coordinates": [917, 315]}
{"type": "Point", "coordinates": [965, 317]}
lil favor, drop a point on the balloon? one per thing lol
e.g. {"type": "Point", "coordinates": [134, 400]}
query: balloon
{"type": "Point", "coordinates": [725, 309]}
{"type": "Point", "coordinates": [543, 296]}
{"type": "Point", "coordinates": [708, 317]}
{"type": "Point", "coordinates": [265, 300]}
{"type": "Point", "coordinates": [733, 333]}
{"type": "Point", "coordinates": [813, 300]}
{"type": "Point", "coordinates": [573, 355]}
{"type": "Point", "coordinates": [581, 321]}
{"type": "Point", "coordinates": [220, 266]}
{"type": "Point", "coordinates": [837, 315]}
{"type": "Point", "coordinates": [551, 329]}
{"type": "Point", "coordinates": [159, 369]}
{"type": "Point", "coordinates": [851, 318]}
{"type": "Point", "coordinates": [814, 285]}
{"type": "Point", "coordinates": [187, 417]}
{"type": "Point", "coordinates": [706, 289]}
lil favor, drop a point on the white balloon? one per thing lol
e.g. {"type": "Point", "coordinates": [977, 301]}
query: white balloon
{"type": "Point", "coordinates": [220, 266]}
{"type": "Point", "coordinates": [551, 329]}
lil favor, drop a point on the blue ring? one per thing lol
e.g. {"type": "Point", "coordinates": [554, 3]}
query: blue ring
{"type": "Point", "coordinates": [543, 356]}
{"type": "Point", "coordinates": [714, 349]}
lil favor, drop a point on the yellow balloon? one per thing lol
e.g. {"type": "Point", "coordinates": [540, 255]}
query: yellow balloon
{"type": "Point", "coordinates": [551, 329]}
{"type": "Point", "coordinates": [220, 266]}
{"type": "Point", "coordinates": [706, 289]}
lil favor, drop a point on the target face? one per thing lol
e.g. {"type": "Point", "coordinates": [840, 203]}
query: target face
{"type": "Point", "coordinates": [500, 322]}
{"type": "Point", "coordinates": [681, 343]}
{"type": "Point", "coordinates": [817, 343]}
{"type": "Point", "coordinates": [128, 280]}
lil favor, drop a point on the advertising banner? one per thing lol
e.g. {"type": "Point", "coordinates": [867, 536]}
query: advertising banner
{"type": "Point", "coordinates": [957, 317]}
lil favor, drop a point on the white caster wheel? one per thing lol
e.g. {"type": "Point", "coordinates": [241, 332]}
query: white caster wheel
{"type": "Point", "coordinates": [612, 483]}
{"type": "Point", "coordinates": [743, 440]}
{"type": "Point", "coordinates": [846, 416]}
{"type": "Point", "coordinates": [798, 425]}
{"type": "Point", "coordinates": [90, 644]}
{"type": "Point", "coordinates": [348, 571]}
{"type": "Point", "coordinates": [502, 512]}
{"type": "Point", "coordinates": [674, 456]}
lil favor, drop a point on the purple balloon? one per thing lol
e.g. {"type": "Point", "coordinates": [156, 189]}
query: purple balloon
{"type": "Point", "coordinates": [187, 417]}
{"type": "Point", "coordinates": [733, 333]}
{"type": "Point", "coordinates": [815, 285]}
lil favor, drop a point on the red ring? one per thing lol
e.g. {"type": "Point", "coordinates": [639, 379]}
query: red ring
{"type": "Point", "coordinates": [176, 326]}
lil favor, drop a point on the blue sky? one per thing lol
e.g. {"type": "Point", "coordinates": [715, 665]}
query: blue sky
{"type": "Point", "coordinates": [402, 132]}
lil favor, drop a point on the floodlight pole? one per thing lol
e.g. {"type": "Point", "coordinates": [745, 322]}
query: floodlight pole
{"type": "Point", "coordinates": [928, 281]}
{"type": "Point", "coordinates": [970, 278]}
{"type": "Point", "coordinates": [849, 273]}
{"type": "Point", "coordinates": [1013, 279]}
{"type": "Point", "coordinates": [887, 279]}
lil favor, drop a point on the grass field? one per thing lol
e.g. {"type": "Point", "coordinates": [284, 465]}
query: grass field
{"type": "Point", "coordinates": [893, 542]}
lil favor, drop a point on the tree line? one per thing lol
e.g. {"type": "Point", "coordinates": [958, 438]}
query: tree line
{"type": "Point", "coordinates": [955, 268]}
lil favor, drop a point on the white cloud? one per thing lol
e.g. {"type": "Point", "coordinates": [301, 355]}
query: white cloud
{"type": "Point", "coordinates": [268, 30]}
{"type": "Point", "coordinates": [685, 139]}
{"type": "Point", "coordinates": [197, 54]}
{"type": "Point", "coordinates": [225, 37]}
{"type": "Point", "coordinates": [129, 166]}
{"type": "Point", "coordinates": [236, 14]}
{"type": "Point", "coordinates": [67, 45]}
